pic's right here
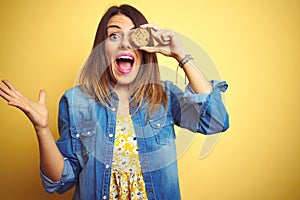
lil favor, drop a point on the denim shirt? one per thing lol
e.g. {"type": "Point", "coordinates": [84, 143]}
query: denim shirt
{"type": "Point", "coordinates": [87, 132]}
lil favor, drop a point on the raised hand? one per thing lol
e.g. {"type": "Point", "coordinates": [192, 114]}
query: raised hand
{"type": "Point", "coordinates": [169, 44]}
{"type": "Point", "coordinates": [35, 111]}
{"type": "Point", "coordinates": [167, 41]}
{"type": "Point", "coordinates": [51, 159]}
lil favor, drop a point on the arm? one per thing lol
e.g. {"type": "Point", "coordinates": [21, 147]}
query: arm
{"type": "Point", "coordinates": [200, 108]}
{"type": "Point", "coordinates": [197, 80]}
{"type": "Point", "coordinates": [71, 168]}
{"type": "Point", "coordinates": [52, 161]}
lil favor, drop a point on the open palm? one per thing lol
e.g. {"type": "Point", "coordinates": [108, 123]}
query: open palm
{"type": "Point", "coordinates": [35, 111]}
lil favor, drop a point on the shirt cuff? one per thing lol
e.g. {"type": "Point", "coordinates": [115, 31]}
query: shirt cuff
{"type": "Point", "coordinates": [204, 100]}
{"type": "Point", "coordinates": [53, 186]}
{"type": "Point", "coordinates": [191, 97]}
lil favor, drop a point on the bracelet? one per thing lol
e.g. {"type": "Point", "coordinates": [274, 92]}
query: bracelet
{"type": "Point", "coordinates": [186, 58]}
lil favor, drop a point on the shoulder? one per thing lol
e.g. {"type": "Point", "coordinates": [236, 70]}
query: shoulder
{"type": "Point", "coordinates": [169, 87]}
{"type": "Point", "coordinates": [74, 91]}
{"type": "Point", "coordinates": [76, 97]}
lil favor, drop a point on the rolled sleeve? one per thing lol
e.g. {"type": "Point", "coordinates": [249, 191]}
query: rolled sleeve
{"type": "Point", "coordinates": [205, 113]}
{"type": "Point", "coordinates": [65, 183]}
{"type": "Point", "coordinates": [214, 116]}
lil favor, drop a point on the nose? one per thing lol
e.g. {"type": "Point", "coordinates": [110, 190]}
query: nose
{"type": "Point", "coordinates": [125, 43]}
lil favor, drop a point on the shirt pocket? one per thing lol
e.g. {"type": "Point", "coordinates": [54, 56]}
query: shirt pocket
{"type": "Point", "coordinates": [84, 139]}
{"type": "Point", "coordinates": [163, 129]}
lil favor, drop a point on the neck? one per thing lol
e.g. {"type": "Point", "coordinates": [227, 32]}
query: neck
{"type": "Point", "coordinates": [122, 91]}
{"type": "Point", "coordinates": [123, 95]}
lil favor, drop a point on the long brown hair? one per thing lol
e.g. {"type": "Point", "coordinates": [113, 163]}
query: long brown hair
{"type": "Point", "coordinates": [96, 77]}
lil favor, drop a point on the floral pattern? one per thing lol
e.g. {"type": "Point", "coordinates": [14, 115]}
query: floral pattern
{"type": "Point", "coordinates": [127, 180]}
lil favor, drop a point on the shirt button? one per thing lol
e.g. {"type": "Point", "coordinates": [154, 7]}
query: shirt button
{"type": "Point", "coordinates": [107, 166]}
{"type": "Point", "coordinates": [77, 135]}
{"type": "Point", "coordinates": [158, 124]}
{"type": "Point", "coordinates": [113, 109]}
{"type": "Point", "coordinates": [88, 133]}
{"type": "Point", "coordinates": [151, 191]}
{"type": "Point", "coordinates": [110, 135]}
{"type": "Point", "coordinates": [104, 197]}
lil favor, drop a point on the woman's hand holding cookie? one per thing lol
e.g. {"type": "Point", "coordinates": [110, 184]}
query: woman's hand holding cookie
{"type": "Point", "coordinates": [167, 42]}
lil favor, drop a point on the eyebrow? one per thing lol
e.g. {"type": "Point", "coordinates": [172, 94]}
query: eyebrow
{"type": "Point", "coordinates": [116, 26]}
{"type": "Point", "coordinates": [113, 26]}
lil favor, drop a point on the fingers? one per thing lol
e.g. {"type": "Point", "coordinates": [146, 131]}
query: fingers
{"type": "Point", "coordinates": [42, 97]}
{"type": "Point", "coordinates": [12, 95]}
{"type": "Point", "coordinates": [157, 49]}
{"type": "Point", "coordinates": [152, 26]}
{"type": "Point", "coordinates": [10, 91]}
{"type": "Point", "coordinates": [5, 92]}
{"type": "Point", "coordinates": [35, 111]}
{"type": "Point", "coordinates": [149, 49]}
{"type": "Point", "coordinates": [165, 36]}
{"type": "Point", "coordinates": [167, 41]}
{"type": "Point", "coordinates": [162, 36]}
{"type": "Point", "coordinates": [9, 85]}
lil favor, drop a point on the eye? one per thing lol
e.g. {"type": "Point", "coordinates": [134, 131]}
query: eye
{"type": "Point", "coordinates": [114, 37]}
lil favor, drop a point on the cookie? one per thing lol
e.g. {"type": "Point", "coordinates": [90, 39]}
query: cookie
{"type": "Point", "coordinates": [140, 37]}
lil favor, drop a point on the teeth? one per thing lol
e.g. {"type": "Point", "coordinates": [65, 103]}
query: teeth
{"type": "Point", "coordinates": [125, 57]}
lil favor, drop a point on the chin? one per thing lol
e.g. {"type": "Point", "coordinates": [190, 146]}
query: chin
{"type": "Point", "coordinates": [125, 79]}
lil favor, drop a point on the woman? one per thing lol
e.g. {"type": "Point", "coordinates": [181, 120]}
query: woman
{"type": "Point", "coordinates": [117, 127]}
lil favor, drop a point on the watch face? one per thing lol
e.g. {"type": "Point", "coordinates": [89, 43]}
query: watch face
{"type": "Point", "coordinates": [140, 37]}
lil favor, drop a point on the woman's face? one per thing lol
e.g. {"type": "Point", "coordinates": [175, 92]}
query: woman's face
{"type": "Point", "coordinates": [124, 60]}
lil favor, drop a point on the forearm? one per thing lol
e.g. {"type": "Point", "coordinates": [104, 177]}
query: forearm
{"type": "Point", "coordinates": [197, 80]}
{"type": "Point", "coordinates": [51, 160]}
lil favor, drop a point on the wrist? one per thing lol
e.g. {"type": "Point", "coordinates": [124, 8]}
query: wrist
{"type": "Point", "coordinates": [179, 53]}
{"type": "Point", "coordinates": [184, 60]}
{"type": "Point", "coordinates": [179, 56]}
{"type": "Point", "coordinates": [42, 130]}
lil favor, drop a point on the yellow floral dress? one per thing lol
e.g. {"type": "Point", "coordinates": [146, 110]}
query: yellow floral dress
{"type": "Point", "coordinates": [127, 180]}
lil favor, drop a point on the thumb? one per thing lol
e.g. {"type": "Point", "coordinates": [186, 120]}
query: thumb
{"type": "Point", "coordinates": [157, 49]}
{"type": "Point", "coordinates": [149, 49]}
{"type": "Point", "coordinates": [42, 97]}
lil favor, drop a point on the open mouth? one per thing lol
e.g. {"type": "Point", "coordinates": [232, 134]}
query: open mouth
{"type": "Point", "coordinates": [124, 63]}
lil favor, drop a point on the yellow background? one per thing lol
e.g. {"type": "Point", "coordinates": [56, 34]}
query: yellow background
{"type": "Point", "coordinates": [254, 44]}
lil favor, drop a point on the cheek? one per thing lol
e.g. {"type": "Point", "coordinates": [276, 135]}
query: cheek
{"type": "Point", "coordinates": [110, 48]}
